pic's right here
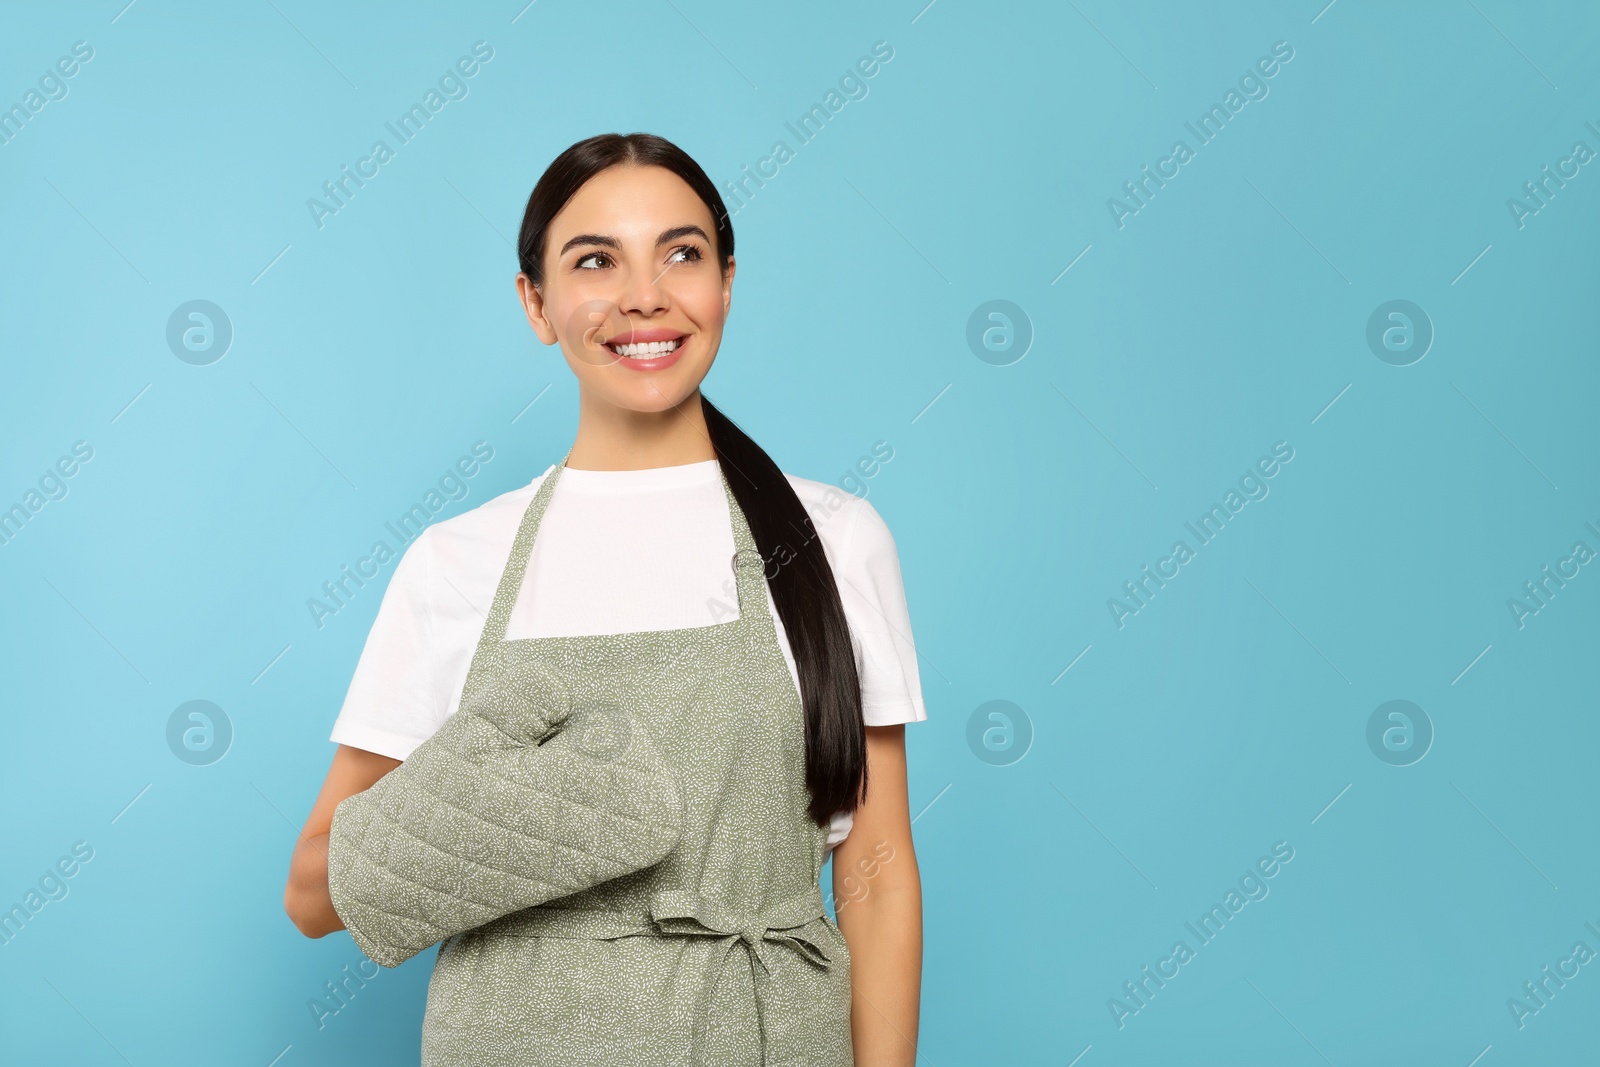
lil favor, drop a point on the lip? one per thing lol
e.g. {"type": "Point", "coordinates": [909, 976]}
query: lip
{"type": "Point", "coordinates": [641, 337]}
{"type": "Point", "coordinates": [644, 337]}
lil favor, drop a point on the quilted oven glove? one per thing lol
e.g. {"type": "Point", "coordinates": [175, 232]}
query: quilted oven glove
{"type": "Point", "coordinates": [516, 800]}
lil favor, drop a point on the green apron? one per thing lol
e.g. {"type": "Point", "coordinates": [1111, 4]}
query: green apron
{"type": "Point", "coordinates": [720, 953]}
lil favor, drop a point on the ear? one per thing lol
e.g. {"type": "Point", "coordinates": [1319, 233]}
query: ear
{"type": "Point", "coordinates": [533, 307]}
{"type": "Point", "coordinates": [727, 286]}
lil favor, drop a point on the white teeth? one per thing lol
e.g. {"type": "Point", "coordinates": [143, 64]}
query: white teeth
{"type": "Point", "coordinates": [651, 348]}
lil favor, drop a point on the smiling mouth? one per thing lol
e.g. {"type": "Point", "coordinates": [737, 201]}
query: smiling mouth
{"type": "Point", "coordinates": [645, 349]}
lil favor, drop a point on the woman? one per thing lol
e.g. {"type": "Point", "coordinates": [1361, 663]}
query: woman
{"type": "Point", "coordinates": [762, 696]}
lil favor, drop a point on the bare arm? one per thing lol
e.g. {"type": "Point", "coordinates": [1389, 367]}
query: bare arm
{"type": "Point", "coordinates": [306, 898]}
{"type": "Point", "coordinates": [878, 900]}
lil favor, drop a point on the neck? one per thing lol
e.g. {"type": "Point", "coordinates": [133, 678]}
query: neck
{"type": "Point", "coordinates": [611, 438]}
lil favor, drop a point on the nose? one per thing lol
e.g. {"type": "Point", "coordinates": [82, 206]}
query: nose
{"type": "Point", "coordinates": [644, 294]}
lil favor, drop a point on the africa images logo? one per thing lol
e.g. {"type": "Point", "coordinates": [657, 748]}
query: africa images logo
{"type": "Point", "coordinates": [1206, 128]}
{"type": "Point", "coordinates": [1252, 487]}
{"type": "Point", "coordinates": [453, 486]}
{"type": "Point", "coordinates": [452, 85]}
{"type": "Point", "coordinates": [1252, 887]}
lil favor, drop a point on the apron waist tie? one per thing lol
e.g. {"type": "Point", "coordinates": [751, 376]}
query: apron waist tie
{"type": "Point", "coordinates": [684, 912]}
{"type": "Point", "coordinates": [687, 913]}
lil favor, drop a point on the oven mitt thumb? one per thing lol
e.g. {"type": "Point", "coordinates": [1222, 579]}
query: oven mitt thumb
{"type": "Point", "coordinates": [519, 798]}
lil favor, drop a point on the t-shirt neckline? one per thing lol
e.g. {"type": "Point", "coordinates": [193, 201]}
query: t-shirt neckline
{"type": "Point", "coordinates": [678, 475]}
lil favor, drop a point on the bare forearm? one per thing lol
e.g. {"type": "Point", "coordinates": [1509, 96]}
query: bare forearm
{"type": "Point", "coordinates": [884, 932]}
{"type": "Point", "coordinates": [306, 898]}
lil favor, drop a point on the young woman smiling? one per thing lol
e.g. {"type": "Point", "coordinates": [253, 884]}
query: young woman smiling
{"type": "Point", "coordinates": [763, 661]}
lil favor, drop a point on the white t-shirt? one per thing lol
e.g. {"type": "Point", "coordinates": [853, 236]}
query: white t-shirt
{"type": "Point", "coordinates": [616, 552]}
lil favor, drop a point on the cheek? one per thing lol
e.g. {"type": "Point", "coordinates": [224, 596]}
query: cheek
{"type": "Point", "coordinates": [701, 301]}
{"type": "Point", "coordinates": [578, 319]}
{"type": "Point", "coordinates": [578, 324]}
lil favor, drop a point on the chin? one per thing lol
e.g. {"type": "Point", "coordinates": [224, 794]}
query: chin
{"type": "Point", "coordinates": [651, 396]}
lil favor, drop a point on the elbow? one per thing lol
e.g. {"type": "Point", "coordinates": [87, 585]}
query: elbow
{"type": "Point", "coordinates": [894, 888]}
{"type": "Point", "coordinates": [898, 889]}
{"type": "Point", "coordinates": [311, 920]}
{"type": "Point", "coordinates": [294, 908]}
{"type": "Point", "coordinates": [307, 898]}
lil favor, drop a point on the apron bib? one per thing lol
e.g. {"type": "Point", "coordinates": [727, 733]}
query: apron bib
{"type": "Point", "coordinates": [722, 952]}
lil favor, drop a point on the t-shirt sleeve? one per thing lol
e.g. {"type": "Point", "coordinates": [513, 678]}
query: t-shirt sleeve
{"type": "Point", "coordinates": [874, 597]}
{"type": "Point", "coordinates": [395, 700]}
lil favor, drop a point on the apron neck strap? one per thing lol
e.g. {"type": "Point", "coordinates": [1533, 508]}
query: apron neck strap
{"type": "Point", "coordinates": [747, 563]}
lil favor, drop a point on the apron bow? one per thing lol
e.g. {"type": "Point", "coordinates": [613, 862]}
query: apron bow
{"type": "Point", "coordinates": [685, 912]}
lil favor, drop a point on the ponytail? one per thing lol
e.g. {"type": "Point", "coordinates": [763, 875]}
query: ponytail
{"type": "Point", "coordinates": [806, 597]}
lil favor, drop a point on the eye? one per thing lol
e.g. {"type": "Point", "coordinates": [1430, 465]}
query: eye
{"type": "Point", "coordinates": [690, 254]}
{"type": "Point", "coordinates": [592, 255]}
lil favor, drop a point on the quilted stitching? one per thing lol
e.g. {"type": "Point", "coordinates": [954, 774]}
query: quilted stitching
{"type": "Point", "coordinates": [503, 808]}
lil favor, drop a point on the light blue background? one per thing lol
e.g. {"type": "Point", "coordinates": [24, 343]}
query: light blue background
{"type": "Point", "coordinates": [1228, 314]}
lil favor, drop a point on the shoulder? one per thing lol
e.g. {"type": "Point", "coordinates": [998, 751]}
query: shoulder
{"type": "Point", "coordinates": [451, 555]}
{"type": "Point", "coordinates": [865, 563]}
{"type": "Point", "coordinates": [851, 529]}
{"type": "Point", "coordinates": [489, 524]}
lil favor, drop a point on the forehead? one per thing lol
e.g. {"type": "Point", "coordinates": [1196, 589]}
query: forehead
{"type": "Point", "coordinates": [630, 203]}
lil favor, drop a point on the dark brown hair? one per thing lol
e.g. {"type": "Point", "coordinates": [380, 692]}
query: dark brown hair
{"type": "Point", "coordinates": [798, 574]}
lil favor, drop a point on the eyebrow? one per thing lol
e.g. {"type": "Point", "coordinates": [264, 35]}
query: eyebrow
{"type": "Point", "coordinates": [611, 242]}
